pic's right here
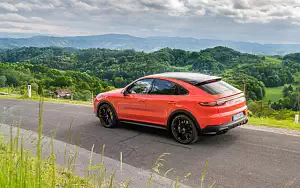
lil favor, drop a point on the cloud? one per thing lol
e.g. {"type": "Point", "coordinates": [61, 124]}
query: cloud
{"type": "Point", "coordinates": [201, 12]}
{"type": "Point", "coordinates": [84, 6]}
{"type": "Point", "coordinates": [10, 26]}
{"type": "Point", "coordinates": [37, 19]}
{"type": "Point", "coordinates": [13, 17]}
{"type": "Point", "coordinates": [198, 18]}
{"type": "Point", "coordinates": [23, 6]}
{"type": "Point", "coordinates": [8, 7]}
{"type": "Point", "coordinates": [241, 4]}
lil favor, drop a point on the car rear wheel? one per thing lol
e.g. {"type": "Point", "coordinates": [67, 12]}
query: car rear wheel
{"type": "Point", "coordinates": [107, 116]}
{"type": "Point", "coordinates": [184, 130]}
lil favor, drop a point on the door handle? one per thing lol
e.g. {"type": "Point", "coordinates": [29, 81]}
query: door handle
{"type": "Point", "coordinates": [172, 102]}
{"type": "Point", "coordinates": [142, 100]}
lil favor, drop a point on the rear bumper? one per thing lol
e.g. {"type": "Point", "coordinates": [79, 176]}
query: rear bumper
{"type": "Point", "coordinates": [225, 127]}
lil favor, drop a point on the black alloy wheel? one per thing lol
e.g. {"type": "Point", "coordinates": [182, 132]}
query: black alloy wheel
{"type": "Point", "coordinates": [184, 130]}
{"type": "Point", "coordinates": [107, 116]}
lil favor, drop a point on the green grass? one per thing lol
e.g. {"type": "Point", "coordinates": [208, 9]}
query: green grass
{"type": "Point", "coordinates": [275, 93]}
{"type": "Point", "coordinates": [272, 60]}
{"type": "Point", "coordinates": [36, 98]}
{"type": "Point", "coordinates": [20, 168]}
{"type": "Point", "coordinates": [271, 122]}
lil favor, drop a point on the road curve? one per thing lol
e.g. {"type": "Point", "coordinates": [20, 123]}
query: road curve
{"type": "Point", "coordinates": [240, 158]}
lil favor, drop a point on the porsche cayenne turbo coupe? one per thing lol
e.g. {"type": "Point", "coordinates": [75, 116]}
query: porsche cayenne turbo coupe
{"type": "Point", "coordinates": [186, 104]}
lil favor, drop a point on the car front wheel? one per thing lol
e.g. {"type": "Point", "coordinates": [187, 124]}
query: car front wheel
{"type": "Point", "coordinates": [107, 116]}
{"type": "Point", "coordinates": [184, 130]}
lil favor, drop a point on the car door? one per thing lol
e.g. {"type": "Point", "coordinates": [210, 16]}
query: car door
{"type": "Point", "coordinates": [132, 105]}
{"type": "Point", "coordinates": [164, 97]}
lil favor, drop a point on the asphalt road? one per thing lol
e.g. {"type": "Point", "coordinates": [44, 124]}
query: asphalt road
{"type": "Point", "coordinates": [240, 158]}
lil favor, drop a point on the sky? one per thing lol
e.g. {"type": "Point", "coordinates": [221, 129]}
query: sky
{"type": "Point", "coordinates": [263, 21]}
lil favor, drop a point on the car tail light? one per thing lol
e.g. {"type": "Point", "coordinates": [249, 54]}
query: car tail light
{"type": "Point", "coordinates": [214, 103]}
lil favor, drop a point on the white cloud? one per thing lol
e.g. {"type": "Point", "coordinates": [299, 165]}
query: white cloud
{"type": "Point", "coordinates": [84, 6]}
{"type": "Point", "coordinates": [155, 17]}
{"type": "Point", "coordinates": [201, 12]}
{"type": "Point", "coordinates": [8, 7]}
{"type": "Point", "coordinates": [24, 6]}
{"type": "Point", "coordinates": [241, 4]}
{"type": "Point", "coordinates": [37, 19]}
{"type": "Point", "coordinates": [13, 17]}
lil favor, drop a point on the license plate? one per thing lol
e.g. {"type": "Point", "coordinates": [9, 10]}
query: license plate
{"type": "Point", "coordinates": [238, 116]}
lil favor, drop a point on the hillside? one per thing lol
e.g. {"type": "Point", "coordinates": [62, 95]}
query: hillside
{"type": "Point", "coordinates": [120, 67]}
{"type": "Point", "coordinates": [18, 75]}
{"type": "Point", "coordinates": [148, 44]}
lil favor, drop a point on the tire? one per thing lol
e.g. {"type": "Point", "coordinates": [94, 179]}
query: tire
{"type": "Point", "coordinates": [183, 129]}
{"type": "Point", "coordinates": [107, 116]}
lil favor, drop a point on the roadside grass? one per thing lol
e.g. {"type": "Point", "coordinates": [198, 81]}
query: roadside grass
{"type": "Point", "coordinates": [271, 122]}
{"type": "Point", "coordinates": [36, 98]}
{"type": "Point", "coordinates": [20, 168]}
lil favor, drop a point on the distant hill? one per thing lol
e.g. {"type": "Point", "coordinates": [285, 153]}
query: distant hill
{"type": "Point", "coordinates": [148, 44]}
{"type": "Point", "coordinates": [120, 67]}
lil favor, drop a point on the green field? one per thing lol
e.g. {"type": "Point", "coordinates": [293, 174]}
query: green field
{"type": "Point", "coordinates": [275, 93]}
{"type": "Point", "coordinates": [272, 60]}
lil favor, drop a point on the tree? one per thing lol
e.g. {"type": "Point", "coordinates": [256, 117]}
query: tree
{"type": "Point", "coordinates": [286, 90]}
{"type": "Point", "coordinates": [34, 86]}
{"type": "Point", "coordinates": [2, 81]}
{"type": "Point", "coordinates": [63, 81]}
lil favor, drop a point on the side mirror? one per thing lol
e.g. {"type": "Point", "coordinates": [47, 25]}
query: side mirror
{"type": "Point", "coordinates": [125, 92]}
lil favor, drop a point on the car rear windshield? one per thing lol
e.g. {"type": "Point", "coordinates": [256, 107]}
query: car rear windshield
{"type": "Point", "coordinates": [218, 87]}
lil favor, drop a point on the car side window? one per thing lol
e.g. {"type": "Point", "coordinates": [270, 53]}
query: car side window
{"type": "Point", "coordinates": [181, 90]}
{"type": "Point", "coordinates": [165, 87]}
{"type": "Point", "coordinates": [140, 87]}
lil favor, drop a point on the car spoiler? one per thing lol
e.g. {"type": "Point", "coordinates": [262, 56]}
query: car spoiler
{"type": "Point", "coordinates": [207, 81]}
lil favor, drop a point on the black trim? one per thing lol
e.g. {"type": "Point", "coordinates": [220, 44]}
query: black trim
{"type": "Point", "coordinates": [225, 127]}
{"type": "Point", "coordinates": [208, 82]}
{"type": "Point", "coordinates": [144, 124]}
{"type": "Point", "coordinates": [177, 112]}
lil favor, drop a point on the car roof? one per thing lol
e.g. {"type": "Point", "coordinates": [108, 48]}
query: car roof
{"type": "Point", "coordinates": [189, 77]}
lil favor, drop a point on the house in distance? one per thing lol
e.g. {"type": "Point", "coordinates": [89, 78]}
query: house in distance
{"type": "Point", "coordinates": [63, 93]}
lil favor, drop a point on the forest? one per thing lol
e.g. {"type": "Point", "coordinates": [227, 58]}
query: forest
{"type": "Point", "coordinates": [98, 69]}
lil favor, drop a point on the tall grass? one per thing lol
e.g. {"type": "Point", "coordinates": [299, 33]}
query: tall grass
{"type": "Point", "coordinates": [19, 168]}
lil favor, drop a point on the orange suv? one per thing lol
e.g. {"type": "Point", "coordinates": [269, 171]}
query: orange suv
{"type": "Point", "coordinates": [186, 104]}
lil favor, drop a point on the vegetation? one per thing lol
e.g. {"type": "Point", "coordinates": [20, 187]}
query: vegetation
{"type": "Point", "coordinates": [90, 71]}
{"type": "Point", "coordinates": [45, 80]}
{"type": "Point", "coordinates": [273, 93]}
{"type": "Point", "coordinates": [21, 168]}
{"type": "Point", "coordinates": [271, 122]}
{"type": "Point", "coordinates": [290, 99]}
{"type": "Point", "coordinates": [120, 67]}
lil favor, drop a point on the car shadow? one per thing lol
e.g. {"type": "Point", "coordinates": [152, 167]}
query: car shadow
{"type": "Point", "coordinates": [204, 139]}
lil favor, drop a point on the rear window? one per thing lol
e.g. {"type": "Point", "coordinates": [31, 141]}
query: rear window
{"type": "Point", "coordinates": [216, 88]}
